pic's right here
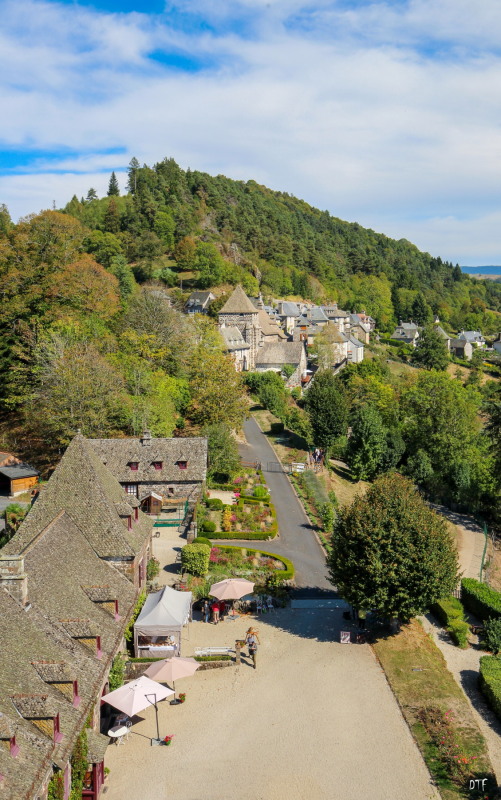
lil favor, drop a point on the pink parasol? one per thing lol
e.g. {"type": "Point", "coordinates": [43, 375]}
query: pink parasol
{"type": "Point", "coordinates": [231, 589]}
{"type": "Point", "coordinates": [171, 669]}
{"type": "Point", "coordinates": [136, 696]}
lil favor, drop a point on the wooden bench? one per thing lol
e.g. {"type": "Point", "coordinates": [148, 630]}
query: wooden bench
{"type": "Point", "coordinates": [213, 651]}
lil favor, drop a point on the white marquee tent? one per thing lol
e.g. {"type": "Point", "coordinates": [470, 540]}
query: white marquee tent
{"type": "Point", "coordinates": [157, 630]}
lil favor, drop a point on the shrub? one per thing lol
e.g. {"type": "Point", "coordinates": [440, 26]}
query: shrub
{"type": "Point", "coordinates": [117, 672]}
{"type": "Point", "coordinates": [260, 535]}
{"type": "Point", "coordinates": [215, 503]}
{"type": "Point", "coordinates": [328, 516]}
{"type": "Point", "coordinates": [447, 609]}
{"type": "Point", "coordinates": [226, 523]}
{"type": "Point", "coordinates": [195, 559]}
{"type": "Point", "coordinates": [152, 568]}
{"type": "Point", "coordinates": [480, 599]}
{"type": "Point", "coordinates": [202, 540]}
{"type": "Point", "coordinates": [277, 427]}
{"type": "Point", "coordinates": [208, 526]}
{"type": "Point", "coordinates": [493, 635]}
{"type": "Point", "coordinates": [261, 492]}
{"type": "Point", "coordinates": [490, 681]}
{"type": "Point", "coordinates": [459, 631]}
{"type": "Point", "coordinates": [451, 613]}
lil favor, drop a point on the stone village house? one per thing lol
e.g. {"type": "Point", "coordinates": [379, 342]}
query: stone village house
{"type": "Point", "coordinates": [69, 580]}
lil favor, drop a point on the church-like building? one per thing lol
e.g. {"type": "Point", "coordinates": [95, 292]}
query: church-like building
{"type": "Point", "coordinates": [257, 342]}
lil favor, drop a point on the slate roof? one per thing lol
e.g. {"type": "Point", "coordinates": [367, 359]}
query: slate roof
{"type": "Point", "coordinates": [471, 336]}
{"type": "Point", "coordinates": [280, 353]}
{"type": "Point", "coordinates": [288, 309]}
{"type": "Point", "coordinates": [96, 746]}
{"type": "Point", "coordinates": [61, 566]}
{"type": "Point", "coordinates": [199, 299]}
{"type": "Point", "coordinates": [233, 338]}
{"type": "Point", "coordinates": [354, 341]}
{"type": "Point", "coordinates": [333, 312]}
{"type": "Point", "coordinates": [27, 636]}
{"type": "Point", "coordinates": [118, 453]}
{"type": "Point", "coordinates": [19, 471]}
{"type": "Point", "coordinates": [238, 303]}
{"type": "Point", "coordinates": [459, 343]}
{"type": "Point", "coordinates": [83, 487]}
{"type": "Point", "coordinates": [268, 326]}
{"type": "Point", "coordinates": [316, 314]}
{"type": "Point", "coordinates": [441, 332]}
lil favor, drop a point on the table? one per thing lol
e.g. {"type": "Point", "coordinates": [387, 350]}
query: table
{"type": "Point", "coordinates": [118, 732]}
{"type": "Point", "coordinates": [159, 650]}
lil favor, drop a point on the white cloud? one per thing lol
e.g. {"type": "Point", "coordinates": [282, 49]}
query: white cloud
{"type": "Point", "coordinates": [344, 109]}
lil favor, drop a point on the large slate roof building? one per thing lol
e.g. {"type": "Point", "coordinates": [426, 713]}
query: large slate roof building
{"type": "Point", "coordinates": [69, 580]}
{"type": "Point", "coordinates": [169, 467]}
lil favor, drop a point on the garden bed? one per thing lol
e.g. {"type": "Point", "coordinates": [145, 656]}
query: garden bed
{"type": "Point", "coordinates": [250, 518]}
{"type": "Point", "coordinates": [267, 570]}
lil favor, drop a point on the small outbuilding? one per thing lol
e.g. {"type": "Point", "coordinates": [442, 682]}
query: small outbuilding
{"type": "Point", "coordinates": [157, 630]}
{"type": "Point", "coordinates": [152, 503]}
{"type": "Point", "coordinates": [16, 477]}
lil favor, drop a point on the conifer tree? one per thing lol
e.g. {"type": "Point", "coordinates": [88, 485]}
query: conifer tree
{"type": "Point", "coordinates": [113, 187]}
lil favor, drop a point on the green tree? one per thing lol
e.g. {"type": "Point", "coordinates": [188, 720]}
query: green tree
{"type": "Point", "coordinates": [223, 457]}
{"type": "Point", "coordinates": [132, 171]}
{"type": "Point", "coordinates": [164, 227]}
{"type": "Point", "coordinates": [216, 389]}
{"type": "Point", "coordinates": [123, 273]}
{"type": "Point", "coordinates": [210, 266]}
{"type": "Point", "coordinates": [367, 445]}
{"type": "Point", "coordinates": [5, 220]}
{"type": "Point", "coordinates": [195, 559]}
{"type": "Point", "coordinates": [430, 351]}
{"type": "Point", "coordinates": [113, 187]}
{"type": "Point", "coordinates": [103, 246]}
{"type": "Point", "coordinates": [391, 552]}
{"type": "Point", "coordinates": [91, 195]}
{"type": "Point", "coordinates": [419, 467]}
{"type": "Point", "coordinates": [326, 406]}
{"type": "Point", "coordinates": [421, 311]}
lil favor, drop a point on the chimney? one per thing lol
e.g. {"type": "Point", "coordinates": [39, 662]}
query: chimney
{"type": "Point", "coordinates": [146, 438]}
{"type": "Point", "coordinates": [14, 578]}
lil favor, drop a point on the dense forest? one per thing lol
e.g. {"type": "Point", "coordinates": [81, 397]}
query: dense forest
{"type": "Point", "coordinates": [93, 336]}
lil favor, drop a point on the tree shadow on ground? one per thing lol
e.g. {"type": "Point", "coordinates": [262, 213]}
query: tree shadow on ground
{"type": "Point", "coordinates": [469, 682]}
{"type": "Point", "coordinates": [323, 624]}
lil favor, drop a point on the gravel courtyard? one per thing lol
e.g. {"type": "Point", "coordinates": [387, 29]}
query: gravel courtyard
{"type": "Point", "coordinates": [316, 721]}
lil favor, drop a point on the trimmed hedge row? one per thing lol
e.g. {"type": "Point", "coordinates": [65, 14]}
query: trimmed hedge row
{"type": "Point", "coordinates": [480, 599]}
{"type": "Point", "coordinates": [250, 535]}
{"type": "Point", "coordinates": [489, 680]}
{"type": "Point", "coordinates": [451, 613]}
{"type": "Point", "coordinates": [284, 574]}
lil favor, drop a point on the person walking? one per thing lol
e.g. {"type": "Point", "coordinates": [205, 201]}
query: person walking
{"type": "Point", "coordinates": [206, 610]}
{"type": "Point", "coordinates": [252, 642]}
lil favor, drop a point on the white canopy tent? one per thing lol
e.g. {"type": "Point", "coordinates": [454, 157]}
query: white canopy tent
{"type": "Point", "coordinates": [157, 630]}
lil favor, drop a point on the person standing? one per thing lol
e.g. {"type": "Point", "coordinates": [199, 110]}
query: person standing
{"type": "Point", "coordinates": [215, 613]}
{"type": "Point", "coordinates": [206, 610]}
{"type": "Point", "coordinates": [252, 642]}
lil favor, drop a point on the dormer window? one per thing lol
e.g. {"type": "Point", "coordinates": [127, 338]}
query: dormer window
{"type": "Point", "coordinates": [129, 523]}
{"type": "Point", "coordinates": [58, 736]}
{"type": "Point", "coordinates": [158, 464]}
{"type": "Point", "coordinates": [13, 747]}
{"type": "Point", "coordinates": [134, 465]}
{"type": "Point", "coordinates": [182, 464]}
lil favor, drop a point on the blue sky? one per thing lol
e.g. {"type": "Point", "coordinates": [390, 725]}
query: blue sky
{"type": "Point", "coordinates": [384, 112]}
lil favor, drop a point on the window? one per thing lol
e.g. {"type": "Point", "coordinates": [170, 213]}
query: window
{"type": "Point", "coordinates": [129, 523]}
{"type": "Point", "coordinates": [58, 736]}
{"type": "Point", "coordinates": [134, 465]}
{"type": "Point", "coordinates": [76, 698]}
{"type": "Point", "coordinates": [131, 488]}
{"type": "Point", "coordinates": [158, 464]}
{"type": "Point", "coordinates": [182, 464]}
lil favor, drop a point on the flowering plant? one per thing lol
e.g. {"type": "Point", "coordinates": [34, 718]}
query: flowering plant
{"type": "Point", "coordinates": [182, 697]}
{"type": "Point", "coordinates": [168, 739]}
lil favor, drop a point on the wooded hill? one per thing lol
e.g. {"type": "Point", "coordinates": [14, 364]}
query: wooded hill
{"type": "Point", "coordinates": [223, 230]}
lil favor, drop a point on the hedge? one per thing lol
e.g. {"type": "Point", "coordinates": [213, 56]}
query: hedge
{"type": "Point", "coordinates": [284, 575]}
{"type": "Point", "coordinates": [201, 540]}
{"type": "Point", "coordinates": [214, 502]}
{"type": "Point", "coordinates": [247, 498]}
{"type": "Point", "coordinates": [480, 599]}
{"type": "Point", "coordinates": [258, 535]}
{"type": "Point", "coordinates": [451, 613]}
{"type": "Point", "coordinates": [490, 681]}
{"type": "Point", "coordinates": [221, 657]}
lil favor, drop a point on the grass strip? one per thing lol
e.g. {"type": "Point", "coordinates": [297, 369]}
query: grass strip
{"type": "Point", "coordinates": [418, 675]}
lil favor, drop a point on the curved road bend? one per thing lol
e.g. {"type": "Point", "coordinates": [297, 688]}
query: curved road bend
{"type": "Point", "coordinates": [297, 541]}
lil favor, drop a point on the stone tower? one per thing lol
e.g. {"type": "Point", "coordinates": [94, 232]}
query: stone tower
{"type": "Point", "coordinates": [238, 311]}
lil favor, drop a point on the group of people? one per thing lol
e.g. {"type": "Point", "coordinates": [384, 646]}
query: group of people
{"type": "Point", "coordinates": [214, 611]}
{"type": "Point", "coordinates": [317, 456]}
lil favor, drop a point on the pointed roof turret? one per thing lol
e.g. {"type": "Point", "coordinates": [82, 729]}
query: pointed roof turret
{"type": "Point", "coordinates": [238, 303]}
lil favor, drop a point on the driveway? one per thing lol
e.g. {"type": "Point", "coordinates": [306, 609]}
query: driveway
{"type": "Point", "coordinates": [297, 539]}
{"type": "Point", "coordinates": [316, 721]}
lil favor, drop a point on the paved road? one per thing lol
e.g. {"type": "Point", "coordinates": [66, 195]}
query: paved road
{"type": "Point", "coordinates": [297, 540]}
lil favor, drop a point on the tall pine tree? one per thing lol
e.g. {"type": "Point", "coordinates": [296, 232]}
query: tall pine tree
{"type": "Point", "coordinates": [113, 187]}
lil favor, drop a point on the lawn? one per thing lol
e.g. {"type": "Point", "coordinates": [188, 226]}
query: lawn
{"type": "Point", "coordinates": [419, 678]}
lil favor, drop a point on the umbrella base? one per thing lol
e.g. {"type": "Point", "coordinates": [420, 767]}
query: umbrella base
{"type": "Point", "coordinates": [175, 702]}
{"type": "Point", "coordinates": [156, 741]}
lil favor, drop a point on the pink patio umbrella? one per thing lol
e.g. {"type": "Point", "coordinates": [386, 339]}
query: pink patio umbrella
{"type": "Point", "coordinates": [231, 589]}
{"type": "Point", "coordinates": [137, 695]}
{"type": "Point", "coordinates": [171, 669]}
